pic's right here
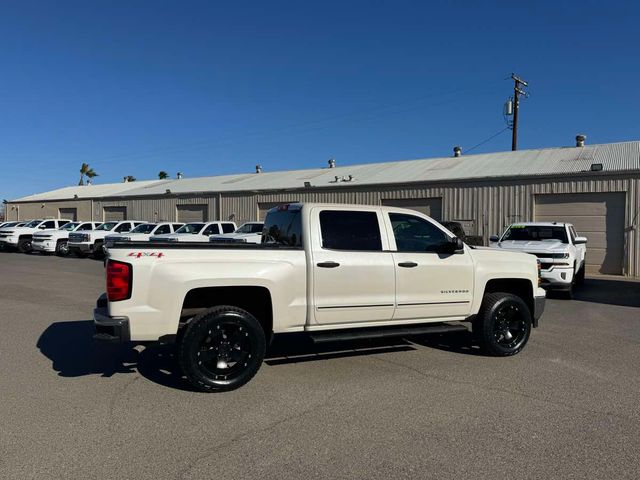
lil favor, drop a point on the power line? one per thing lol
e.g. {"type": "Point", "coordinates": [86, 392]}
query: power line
{"type": "Point", "coordinates": [488, 139]}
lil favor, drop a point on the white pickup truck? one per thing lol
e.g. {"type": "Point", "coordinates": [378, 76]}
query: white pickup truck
{"type": "Point", "coordinates": [250, 232]}
{"type": "Point", "coordinates": [335, 272]}
{"type": "Point", "coordinates": [20, 237]}
{"type": "Point", "coordinates": [92, 241]}
{"type": "Point", "coordinates": [56, 240]}
{"type": "Point", "coordinates": [196, 232]}
{"type": "Point", "coordinates": [561, 251]}
{"type": "Point", "coordinates": [142, 233]}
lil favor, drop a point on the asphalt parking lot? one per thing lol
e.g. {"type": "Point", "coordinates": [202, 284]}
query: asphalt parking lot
{"type": "Point", "coordinates": [432, 407]}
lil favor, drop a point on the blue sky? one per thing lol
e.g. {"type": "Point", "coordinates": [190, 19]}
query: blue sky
{"type": "Point", "coordinates": [206, 88]}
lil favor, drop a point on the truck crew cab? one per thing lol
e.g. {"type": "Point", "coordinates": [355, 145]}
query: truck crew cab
{"type": "Point", "coordinates": [331, 271]}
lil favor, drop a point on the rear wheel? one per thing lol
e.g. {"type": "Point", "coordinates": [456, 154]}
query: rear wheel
{"type": "Point", "coordinates": [222, 349]}
{"type": "Point", "coordinates": [24, 245]}
{"type": "Point", "coordinates": [503, 325]}
{"type": "Point", "coordinates": [98, 251]}
{"type": "Point", "coordinates": [62, 248]}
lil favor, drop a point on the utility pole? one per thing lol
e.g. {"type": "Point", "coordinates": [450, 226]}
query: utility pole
{"type": "Point", "coordinates": [517, 91]}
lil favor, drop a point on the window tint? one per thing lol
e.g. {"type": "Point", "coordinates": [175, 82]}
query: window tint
{"type": "Point", "coordinates": [176, 226]}
{"type": "Point", "coordinates": [414, 234]}
{"type": "Point", "coordinates": [163, 229]}
{"type": "Point", "coordinates": [344, 230]}
{"type": "Point", "coordinates": [211, 230]}
{"type": "Point", "coordinates": [125, 227]}
{"type": "Point", "coordinates": [49, 224]}
{"type": "Point", "coordinates": [62, 222]}
{"type": "Point", "coordinates": [228, 228]}
{"type": "Point", "coordinates": [86, 226]}
{"type": "Point", "coordinates": [283, 226]}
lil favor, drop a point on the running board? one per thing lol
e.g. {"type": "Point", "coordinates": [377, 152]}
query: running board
{"type": "Point", "coordinates": [363, 333]}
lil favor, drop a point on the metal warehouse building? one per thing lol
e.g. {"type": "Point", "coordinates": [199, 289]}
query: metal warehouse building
{"type": "Point", "coordinates": [595, 187]}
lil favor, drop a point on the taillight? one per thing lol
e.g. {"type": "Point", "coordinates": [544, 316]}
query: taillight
{"type": "Point", "coordinates": [118, 280]}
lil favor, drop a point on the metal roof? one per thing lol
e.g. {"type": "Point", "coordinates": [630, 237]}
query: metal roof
{"type": "Point", "coordinates": [547, 161]}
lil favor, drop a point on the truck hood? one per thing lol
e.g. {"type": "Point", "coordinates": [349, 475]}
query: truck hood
{"type": "Point", "coordinates": [532, 246]}
{"type": "Point", "coordinates": [51, 232]}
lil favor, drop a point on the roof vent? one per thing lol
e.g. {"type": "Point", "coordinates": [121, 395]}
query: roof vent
{"type": "Point", "coordinates": [258, 168]}
{"type": "Point", "coordinates": [179, 175]}
{"type": "Point", "coordinates": [332, 163]}
{"type": "Point", "coordinates": [457, 151]}
{"type": "Point", "coordinates": [580, 140]}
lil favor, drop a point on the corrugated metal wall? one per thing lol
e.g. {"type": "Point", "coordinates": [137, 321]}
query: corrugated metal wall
{"type": "Point", "coordinates": [157, 208]}
{"type": "Point", "coordinates": [33, 210]}
{"type": "Point", "coordinates": [493, 204]}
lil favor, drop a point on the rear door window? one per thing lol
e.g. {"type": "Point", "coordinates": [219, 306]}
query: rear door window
{"type": "Point", "coordinates": [211, 230]}
{"type": "Point", "coordinates": [228, 228]}
{"type": "Point", "coordinates": [125, 227]}
{"type": "Point", "coordinates": [163, 229]}
{"type": "Point", "coordinates": [350, 230]}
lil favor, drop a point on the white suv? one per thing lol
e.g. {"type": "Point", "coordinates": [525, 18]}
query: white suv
{"type": "Point", "coordinates": [56, 240]}
{"type": "Point", "coordinates": [196, 232]}
{"type": "Point", "coordinates": [91, 242]}
{"type": "Point", "coordinates": [560, 250]}
{"type": "Point", "coordinates": [20, 237]}
{"type": "Point", "coordinates": [142, 233]}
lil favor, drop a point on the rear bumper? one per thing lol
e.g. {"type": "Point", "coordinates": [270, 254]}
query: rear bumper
{"type": "Point", "coordinates": [109, 329]}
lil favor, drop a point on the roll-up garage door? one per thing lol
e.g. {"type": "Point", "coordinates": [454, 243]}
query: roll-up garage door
{"type": "Point", "coordinates": [114, 214]}
{"type": "Point", "coordinates": [68, 213]}
{"type": "Point", "coordinates": [264, 207]}
{"type": "Point", "coordinates": [428, 206]}
{"type": "Point", "coordinates": [192, 213]}
{"type": "Point", "coordinates": [597, 216]}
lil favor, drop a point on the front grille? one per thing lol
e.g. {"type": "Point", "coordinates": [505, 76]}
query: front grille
{"type": "Point", "coordinates": [77, 237]}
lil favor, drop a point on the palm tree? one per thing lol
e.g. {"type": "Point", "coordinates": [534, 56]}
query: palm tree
{"type": "Point", "coordinates": [163, 175]}
{"type": "Point", "coordinates": [86, 171]}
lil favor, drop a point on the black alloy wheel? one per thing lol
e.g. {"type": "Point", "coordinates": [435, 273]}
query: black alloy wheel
{"type": "Point", "coordinates": [503, 325]}
{"type": "Point", "coordinates": [222, 349]}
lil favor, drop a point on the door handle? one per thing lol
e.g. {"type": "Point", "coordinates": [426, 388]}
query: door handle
{"type": "Point", "coordinates": [407, 264]}
{"type": "Point", "coordinates": [328, 264]}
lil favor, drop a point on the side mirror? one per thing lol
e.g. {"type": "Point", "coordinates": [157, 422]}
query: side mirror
{"type": "Point", "coordinates": [494, 238]}
{"type": "Point", "coordinates": [42, 227]}
{"type": "Point", "coordinates": [455, 245]}
{"type": "Point", "coordinates": [580, 240]}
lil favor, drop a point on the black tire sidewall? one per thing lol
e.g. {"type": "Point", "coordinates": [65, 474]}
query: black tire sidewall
{"type": "Point", "coordinates": [59, 248]}
{"type": "Point", "coordinates": [193, 335]}
{"type": "Point", "coordinates": [492, 303]}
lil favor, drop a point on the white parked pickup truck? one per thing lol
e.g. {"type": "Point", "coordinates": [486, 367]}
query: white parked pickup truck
{"type": "Point", "coordinates": [20, 237]}
{"type": "Point", "coordinates": [196, 232]}
{"type": "Point", "coordinates": [250, 232]}
{"type": "Point", "coordinates": [92, 241]}
{"type": "Point", "coordinates": [143, 232]}
{"type": "Point", "coordinates": [56, 240]}
{"type": "Point", "coordinates": [334, 272]}
{"type": "Point", "coordinates": [561, 251]}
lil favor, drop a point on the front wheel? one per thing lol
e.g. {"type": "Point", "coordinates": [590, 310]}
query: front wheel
{"type": "Point", "coordinates": [222, 349]}
{"type": "Point", "coordinates": [62, 248]}
{"type": "Point", "coordinates": [503, 325]}
{"type": "Point", "coordinates": [24, 245]}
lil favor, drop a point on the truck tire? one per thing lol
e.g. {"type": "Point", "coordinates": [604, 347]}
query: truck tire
{"type": "Point", "coordinates": [24, 245]}
{"type": "Point", "coordinates": [62, 248]}
{"type": "Point", "coordinates": [97, 250]}
{"type": "Point", "coordinates": [222, 349]}
{"type": "Point", "coordinates": [503, 324]}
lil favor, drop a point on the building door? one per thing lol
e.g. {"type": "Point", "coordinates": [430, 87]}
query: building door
{"type": "Point", "coordinates": [429, 206]}
{"type": "Point", "coordinates": [192, 213]}
{"type": "Point", "coordinates": [68, 213]}
{"type": "Point", "coordinates": [114, 214]}
{"type": "Point", "coordinates": [597, 216]}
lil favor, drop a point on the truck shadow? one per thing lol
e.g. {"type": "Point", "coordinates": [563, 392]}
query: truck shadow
{"type": "Point", "coordinates": [621, 292]}
{"type": "Point", "coordinates": [73, 353]}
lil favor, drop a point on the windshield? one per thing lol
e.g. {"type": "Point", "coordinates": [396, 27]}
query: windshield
{"type": "Point", "coordinates": [250, 228]}
{"type": "Point", "coordinates": [106, 226]}
{"type": "Point", "coordinates": [11, 224]}
{"type": "Point", "coordinates": [33, 224]}
{"type": "Point", "coordinates": [536, 233]}
{"type": "Point", "coordinates": [191, 228]}
{"type": "Point", "coordinates": [69, 226]}
{"type": "Point", "coordinates": [144, 228]}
